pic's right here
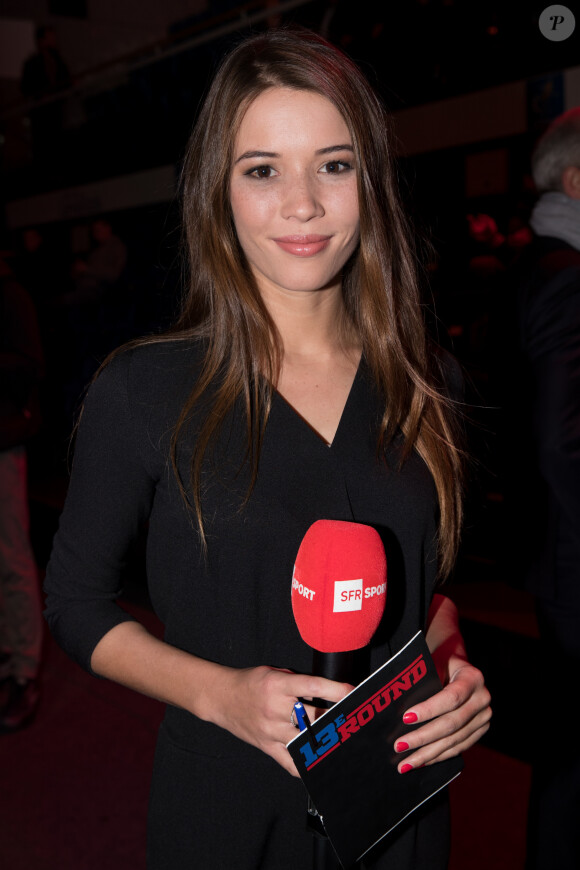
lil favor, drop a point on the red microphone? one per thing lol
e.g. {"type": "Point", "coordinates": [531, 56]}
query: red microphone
{"type": "Point", "coordinates": [339, 590]}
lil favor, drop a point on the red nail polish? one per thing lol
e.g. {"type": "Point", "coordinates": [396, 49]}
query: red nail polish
{"type": "Point", "coordinates": [409, 718]}
{"type": "Point", "coordinates": [401, 746]}
{"type": "Point", "coordinates": [405, 768]}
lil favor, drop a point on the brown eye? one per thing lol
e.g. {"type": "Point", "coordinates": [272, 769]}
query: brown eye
{"type": "Point", "coordinates": [335, 167]}
{"type": "Point", "coordinates": [261, 172]}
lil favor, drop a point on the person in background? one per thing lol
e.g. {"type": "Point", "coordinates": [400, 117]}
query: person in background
{"type": "Point", "coordinates": [44, 76]}
{"type": "Point", "coordinates": [40, 268]}
{"type": "Point", "coordinates": [96, 275]}
{"type": "Point", "coordinates": [548, 492]}
{"type": "Point", "coordinates": [91, 308]}
{"type": "Point", "coordinates": [45, 72]}
{"type": "Point", "coordinates": [21, 369]}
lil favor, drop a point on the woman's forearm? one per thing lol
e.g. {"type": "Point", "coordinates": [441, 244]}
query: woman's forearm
{"type": "Point", "coordinates": [253, 704]}
{"type": "Point", "coordinates": [130, 655]}
{"type": "Point", "coordinates": [443, 624]}
{"type": "Point", "coordinates": [443, 636]}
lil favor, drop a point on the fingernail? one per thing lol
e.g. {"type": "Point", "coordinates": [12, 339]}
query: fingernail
{"type": "Point", "coordinates": [401, 746]}
{"type": "Point", "coordinates": [409, 718]}
{"type": "Point", "coordinates": [405, 768]}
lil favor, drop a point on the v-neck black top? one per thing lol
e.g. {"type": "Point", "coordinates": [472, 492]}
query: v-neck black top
{"type": "Point", "coordinates": [233, 605]}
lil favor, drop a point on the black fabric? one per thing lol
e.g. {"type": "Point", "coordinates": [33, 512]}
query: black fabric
{"type": "Point", "coordinates": [547, 455]}
{"type": "Point", "coordinates": [553, 834]}
{"type": "Point", "coordinates": [215, 801]}
{"type": "Point", "coordinates": [545, 490]}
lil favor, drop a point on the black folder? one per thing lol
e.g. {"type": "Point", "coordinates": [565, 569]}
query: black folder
{"type": "Point", "coordinates": [347, 759]}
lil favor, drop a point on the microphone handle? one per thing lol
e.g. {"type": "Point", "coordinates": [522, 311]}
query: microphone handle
{"type": "Point", "coordinates": [350, 666]}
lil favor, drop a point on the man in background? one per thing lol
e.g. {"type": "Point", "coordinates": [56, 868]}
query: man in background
{"type": "Point", "coordinates": [549, 491]}
{"type": "Point", "coordinates": [44, 76]}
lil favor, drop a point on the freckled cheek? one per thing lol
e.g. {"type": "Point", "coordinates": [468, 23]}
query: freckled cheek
{"type": "Point", "coordinates": [345, 207]}
{"type": "Point", "coordinates": [251, 215]}
{"type": "Point", "coordinates": [351, 229]}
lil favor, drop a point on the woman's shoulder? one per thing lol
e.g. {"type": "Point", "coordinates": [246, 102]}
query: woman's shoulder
{"type": "Point", "coordinates": [161, 354]}
{"type": "Point", "coordinates": [140, 391]}
{"type": "Point", "coordinates": [154, 367]}
{"type": "Point", "coordinates": [147, 379]}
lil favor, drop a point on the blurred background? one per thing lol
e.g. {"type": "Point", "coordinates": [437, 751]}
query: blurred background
{"type": "Point", "coordinates": [97, 98]}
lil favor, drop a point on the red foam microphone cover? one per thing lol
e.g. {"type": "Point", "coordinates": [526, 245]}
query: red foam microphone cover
{"type": "Point", "coordinates": [339, 585]}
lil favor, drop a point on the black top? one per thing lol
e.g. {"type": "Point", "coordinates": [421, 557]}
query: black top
{"type": "Point", "coordinates": [233, 605]}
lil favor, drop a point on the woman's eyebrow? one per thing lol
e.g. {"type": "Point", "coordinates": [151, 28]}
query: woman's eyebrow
{"type": "Point", "coordinates": [250, 154]}
{"type": "Point", "coordinates": [332, 148]}
{"type": "Point", "coordinates": [329, 149]}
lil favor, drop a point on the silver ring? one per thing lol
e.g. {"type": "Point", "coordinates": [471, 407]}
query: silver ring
{"type": "Point", "coordinates": [293, 721]}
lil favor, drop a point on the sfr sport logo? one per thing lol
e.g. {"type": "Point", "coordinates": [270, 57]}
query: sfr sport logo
{"type": "Point", "coordinates": [337, 732]}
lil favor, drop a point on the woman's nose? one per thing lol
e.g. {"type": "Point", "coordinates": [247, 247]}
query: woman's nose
{"type": "Point", "coordinates": [301, 200]}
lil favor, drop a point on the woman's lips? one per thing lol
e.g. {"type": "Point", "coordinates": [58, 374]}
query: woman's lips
{"type": "Point", "coordinates": [303, 246]}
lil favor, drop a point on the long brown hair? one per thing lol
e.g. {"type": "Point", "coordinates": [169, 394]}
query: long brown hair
{"type": "Point", "coordinates": [221, 300]}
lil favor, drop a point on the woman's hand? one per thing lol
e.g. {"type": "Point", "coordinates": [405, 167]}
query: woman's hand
{"type": "Point", "coordinates": [455, 718]}
{"type": "Point", "coordinates": [255, 704]}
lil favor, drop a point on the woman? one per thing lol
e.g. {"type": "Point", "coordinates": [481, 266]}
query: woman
{"type": "Point", "coordinates": [296, 385]}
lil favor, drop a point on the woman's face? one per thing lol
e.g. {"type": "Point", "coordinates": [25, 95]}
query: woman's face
{"type": "Point", "coordinates": [294, 191]}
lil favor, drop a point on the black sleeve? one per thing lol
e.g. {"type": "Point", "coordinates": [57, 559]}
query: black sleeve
{"type": "Point", "coordinates": [108, 502]}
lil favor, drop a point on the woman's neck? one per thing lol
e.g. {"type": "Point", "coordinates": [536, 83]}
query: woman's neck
{"type": "Point", "coordinates": [312, 325]}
